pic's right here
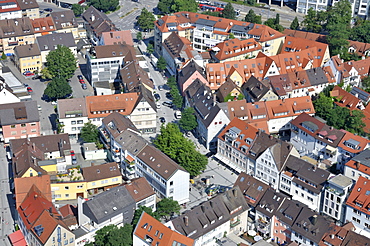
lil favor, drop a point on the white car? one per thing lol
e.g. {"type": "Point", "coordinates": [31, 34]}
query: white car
{"type": "Point", "coordinates": [158, 105]}
{"type": "Point", "coordinates": [178, 114]}
{"type": "Point", "coordinates": [39, 108]}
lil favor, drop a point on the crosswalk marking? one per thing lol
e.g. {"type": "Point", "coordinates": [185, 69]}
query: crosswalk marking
{"type": "Point", "coordinates": [133, 30]}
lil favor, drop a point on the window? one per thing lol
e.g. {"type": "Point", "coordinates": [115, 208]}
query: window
{"type": "Point", "coordinates": [79, 186]}
{"type": "Point", "coordinates": [66, 187]}
{"type": "Point", "coordinates": [13, 133]}
{"type": "Point", "coordinates": [33, 124]}
{"type": "Point", "coordinates": [171, 183]}
{"type": "Point", "coordinates": [33, 130]}
{"type": "Point", "coordinates": [93, 183]}
{"type": "Point", "coordinates": [12, 126]}
{"type": "Point", "coordinates": [23, 125]}
{"type": "Point", "coordinates": [80, 122]}
{"type": "Point", "coordinates": [73, 122]}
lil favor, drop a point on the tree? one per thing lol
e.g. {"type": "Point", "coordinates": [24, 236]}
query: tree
{"type": "Point", "coordinates": [111, 235]}
{"type": "Point", "coordinates": [252, 17]}
{"type": "Point", "coordinates": [150, 49]}
{"type": "Point", "coordinates": [104, 5]}
{"type": "Point", "coordinates": [188, 120]}
{"type": "Point", "coordinates": [313, 20]}
{"type": "Point", "coordinates": [161, 64]}
{"type": "Point", "coordinates": [165, 6]}
{"type": "Point", "coordinates": [90, 133]}
{"type": "Point", "coordinates": [338, 26]}
{"type": "Point", "coordinates": [365, 83]}
{"type": "Point", "coordinates": [177, 98]}
{"type": "Point", "coordinates": [184, 5]}
{"type": "Point", "coordinates": [277, 19]}
{"type": "Point", "coordinates": [57, 88]}
{"type": "Point", "coordinates": [180, 149]}
{"type": "Point", "coordinates": [139, 36]}
{"type": "Point", "coordinates": [45, 74]}
{"type": "Point", "coordinates": [361, 31]}
{"type": "Point", "coordinates": [250, 2]}
{"type": "Point", "coordinates": [139, 211]}
{"type": "Point", "coordinates": [231, 35]}
{"type": "Point", "coordinates": [295, 24]}
{"type": "Point", "coordinates": [167, 207]}
{"type": "Point", "coordinates": [146, 20]}
{"type": "Point", "coordinates": [229, 12]}
{"type": "Point", "coordinates": [3, 56]}
{"type": "Point", "coordinates": [61, 62]}
{"type": "Point", "coordinates": [78, 9]}
{"type": "Point", "coordinates": [272, 23]}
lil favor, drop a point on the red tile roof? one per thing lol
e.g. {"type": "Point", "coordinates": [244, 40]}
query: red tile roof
{"type": "Point", "coordinates": [358, 166]}
{"type": "Point", "coordinates": [42, 25]}
{"type": "Point", "coordinates": [117, 37]}
{"type": "Point", "coordinates": [345, 99]}
{"type": "Point", "coordinates": [149, 228]}
{"type": "Point", "coordinates": [139, 189]}
{"type": "Point", "coordinates": [17, 238]}
{"type": "Point", "coordinates": [22, 187]}
{"type": "Point", "coordinates": [363, 142]}
{"type": "Point", "coordinates": [236, 47]}
{"type": "Point", "coordinates": [360, 196]}
{"type": "Point", "coordinates": [102, 106]}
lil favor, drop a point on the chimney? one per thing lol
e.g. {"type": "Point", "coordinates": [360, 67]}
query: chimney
{"type": "Point", "coordinates": [35, 196]}
{"type": "Point", "coordinates": [111, 34]}
{"type": "Point", "coordinates": [332, 236]}
{"type": "Point", "coordinates": [186, 220]}
{"type": "Point", "coordinates": [92, 17]}
{"type": "Point", "coordinates": [314, 219]}
{"type": "Point", "coordinates": [271, 137]}
{"type": "Point", "coordinates": [33, 147]}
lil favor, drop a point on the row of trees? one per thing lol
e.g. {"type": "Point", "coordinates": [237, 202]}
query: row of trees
{"type": "Point", "coordinates": [146, 20]}
{"type": "Point", "coordinates": [338, 117]}
{"type": "Point", "coordinates": [177, 99]}
{"type": "Point", "coordinates": [60, 66]}
{"type": "Point", "coordinates": [180, 149]}
{"type": "Point", "coordinates": [112, 235]}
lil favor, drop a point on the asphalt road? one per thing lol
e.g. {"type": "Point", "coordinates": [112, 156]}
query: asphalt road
{"type": "Point", "coordinates": [6, 199]}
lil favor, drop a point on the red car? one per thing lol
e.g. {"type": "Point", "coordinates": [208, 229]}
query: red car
{"type": "Point", "coordinates": [28, 73]}
{"type": "Point", "coordinates": [81, 79]}
{"type": "Point", "coordinates": [29, 89]}
{"type": "Point", "coordinates": [72, 153]}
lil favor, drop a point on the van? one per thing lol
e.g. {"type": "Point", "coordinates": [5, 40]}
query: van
{"type": "Point", "coordinates": [178, 114]}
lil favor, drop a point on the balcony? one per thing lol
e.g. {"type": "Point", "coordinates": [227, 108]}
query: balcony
{"type": "Point", "coordinates": [332, 190]}
{"type": "Point", "coordinates": [104, 136]}
{"type": "Point", "coordinates": [13, 43]}
{"type": "Point", "coordinates": [234, 223]}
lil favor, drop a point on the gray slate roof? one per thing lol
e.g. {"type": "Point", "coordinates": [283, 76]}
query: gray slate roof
{"type": "Point", "coordinates": [363, 157]}
{"type": "Point", "coordinates": [51, 41]}
{"type": "Point", "coordinates": [255, 89]}
{"type": "Point", "coordinates": [109, 204]}
{"type": "Point", "coordinates": [289, 211]}
{"type": "Point", "coordinates": [212, 213]}
{"type": "Point", "coordinates": [187, 71]}
{"type": "Point", "coordinates": [64, 19]}
{"type": "Point", "coordinates": [18, 113]}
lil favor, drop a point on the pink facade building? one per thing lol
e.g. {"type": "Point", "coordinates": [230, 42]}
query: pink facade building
{"type": "Point", "coordinates": [19, 120]}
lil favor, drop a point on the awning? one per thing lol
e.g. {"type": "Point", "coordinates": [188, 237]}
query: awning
{"type": "Point", "coordinates": [330, 149]}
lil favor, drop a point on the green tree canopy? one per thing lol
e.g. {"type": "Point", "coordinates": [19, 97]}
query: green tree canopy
{"type": "Point", "coordinates": [165, 6]}
{"type": "Point", "coordinates": [146, 20]}
{"type": "Point", "coordinates": [229, 12]}
{"type": "Point", "coordinates": [314, 20]}
{"type": "Point", "coordinates": [45, 74]}
{"type": "Point", "coordinates": [188, 120]}
{"type": "Point", "coordinates": [58, 88]}
{"type": "Point", "coordinates": [184, 5]}
{"type": "Point", "coordinates": [161, 64]}
{"type": "Point", "coordinates": [211, 13]}
{"type": "Point", "coordinates": [111, 235]}
{"type": "Point", "coordinates": [365, 84]}
{"type": "Point", "coordinates": [252, 17]}
{"type": "Point", "coordinates": [177, 99]}
{"type": "Point", "coordinates": [139, 211]}
{"type": "Point", "coordinates": [273, 23]}
{"type": "Point", "coordinates": [61, 62]}
{"type": "Point", "coordinates": [90, 133]}
{"type": "Point", "coordinates": [78, 9]}
{"type": "Point", "coordinates": [104, 5]}
{"type": "Point", "coordinates": [172, 142]}
{"type": "Point", "coordinates": [295, 24]}
{"type": "Point", "coordinates": [139, 36]}
{"type": "Point", "coordinates": [338, 117]}
{"type": "Point", "coordinates": [361, 31]}
{"type": "Point", "coordinates": [167, 207]}
{"type": "Point", "coordinates": [150, 49]}
{"type": "Point", "coordinates": [250, 2]}
{"type": "Point", "coordinates": [338, 26]}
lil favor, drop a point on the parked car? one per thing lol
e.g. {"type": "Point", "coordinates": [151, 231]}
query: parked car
{"type": "Point", "coordinates": [81, 79]}
{"type": "Point", "coordinates": [84, 86]}
{"type": "Point", "coordinates": [168, 95]}
{"type": "Point", "coordinates": [157, 96]}
{"type": "Point", "coordinates": [29, 89]}
{"type": "Point", "coordinates": [158, 105]}
{"type": "Point", "coordinates": [168, 104]}
{"type": "Point", "coordinates": [48, 10]}
{"type": "Point", "coordinates": [36, 77]}
{"type": "Point", "coordinates": [162, 120]}
{"type": "Point", "coordinates": [74, 160]}
{"type": "Point", "coordinates": [73, 153]}
{"type": "Point", "coordinates": [39, 108]}
{"type": "Point", "coordinates": [28, 73]}
{"type": "Point", "coordinates": [178, 114]}
{"type": "Point", "coordinates": [160, 87]}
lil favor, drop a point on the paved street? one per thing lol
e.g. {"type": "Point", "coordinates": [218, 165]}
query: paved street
{"type": "Point", "coordinates": [6, 200]}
